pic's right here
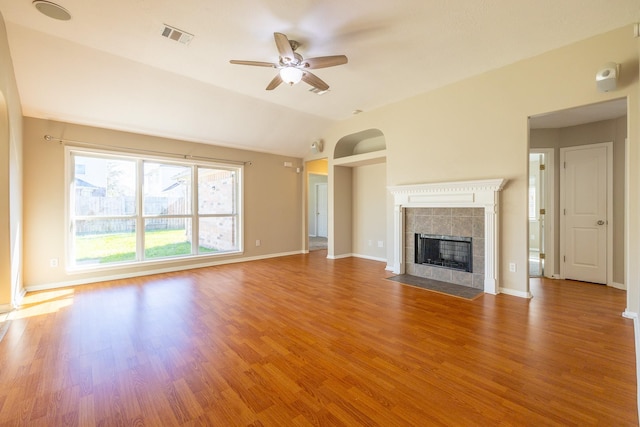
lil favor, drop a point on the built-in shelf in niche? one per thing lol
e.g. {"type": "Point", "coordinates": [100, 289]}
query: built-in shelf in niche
{"type": "Point", "coordinates": [364, 159]}
{"type": "Point", "coordinates": [361, 148]}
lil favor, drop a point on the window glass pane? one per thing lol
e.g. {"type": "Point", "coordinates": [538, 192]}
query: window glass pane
{"type": "Point", "coordinates": [218, 234]}
{"type": "Point", "coordinates": [104, 186]}
{"type": "Point", "coordinates": [167, 237]}
{"type": "Point", "coordinates": [118, 219]}
{"type": "Point", "coordinates": [216, 191]}
{"type": "Point", "coordinates": [104, 241]}
{"type": "Point", "coordinates": [167, 189]}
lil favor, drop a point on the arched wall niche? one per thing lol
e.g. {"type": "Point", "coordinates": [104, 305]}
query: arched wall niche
{"type": "Point", "coordinates": [363, 142]}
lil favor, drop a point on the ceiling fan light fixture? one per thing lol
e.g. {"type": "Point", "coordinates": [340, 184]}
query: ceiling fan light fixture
{"type": "Point", "coordinates": [291, 75]}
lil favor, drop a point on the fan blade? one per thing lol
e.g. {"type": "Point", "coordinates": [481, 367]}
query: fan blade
{"type": "Point", "coordinates": [325, 61]}
{"type": "Point", "coordinates": [284, 47]}
{"type": "Point", "coordinates": [314, 81]}
{"type": "Point", "coordinates": [275, 82]}
{"type": "Point", "coordinates": [255, 63]}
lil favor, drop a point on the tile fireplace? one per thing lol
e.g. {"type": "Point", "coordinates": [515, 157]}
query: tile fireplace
{"type": "Point", "coordinates": [465, 211]}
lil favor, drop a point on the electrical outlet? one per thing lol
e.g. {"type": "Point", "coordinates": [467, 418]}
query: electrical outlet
{"type": "Point", "coordinates": [53, 262]}
{"type": "Point", "coordinates": [512, 267]}
{"type": "Point", "coordinates": [380, 243]}
{"type": "Point", "coordinates": [258, 242]}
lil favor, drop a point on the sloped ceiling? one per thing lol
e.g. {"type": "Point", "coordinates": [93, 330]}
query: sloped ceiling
{"type": "Point", "coordinates": [109, 66]}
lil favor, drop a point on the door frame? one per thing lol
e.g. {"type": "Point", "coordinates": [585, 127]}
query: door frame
{"type": "Point", "coordinates": [609, 230]}
{"type": "Point", "coordinates": [550, 211]}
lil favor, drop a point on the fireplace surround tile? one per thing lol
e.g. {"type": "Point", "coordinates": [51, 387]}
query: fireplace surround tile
{"type": "Point", "coordinates": [478, 226]}
{"type": "Point", "coordinates": [462, 278]}
{"type": "Point", "coordinates": [478, 281]}
{"type": "Point", "coordinates": [443, 274]}
{"type": "Point", "coordinates": [462, 226]}
{"type": "Point", "coordinates": [440, 225]}
{"type": "Point", "coordinates": [441, 212]}
{"type": "Point", "coordinates": [478, 247]}
{"type": "Point", "coordinates": [463, 222]}
{"type": "Point", "coordinates": [478, 264]}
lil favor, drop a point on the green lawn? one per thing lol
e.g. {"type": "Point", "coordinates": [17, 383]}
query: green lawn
{"type": "Point", "coordinates": [119, 247]}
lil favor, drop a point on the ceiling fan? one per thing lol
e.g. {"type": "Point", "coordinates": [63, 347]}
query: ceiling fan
{"type": "Point", "coordinates": [293, 67]}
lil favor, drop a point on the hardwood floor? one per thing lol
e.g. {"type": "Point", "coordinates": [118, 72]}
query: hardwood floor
{"type": "Point", "coordinates": [303, 340]}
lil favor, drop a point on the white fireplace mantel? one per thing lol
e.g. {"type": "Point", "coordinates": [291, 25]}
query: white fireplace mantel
{"type": "Point", "coordinates": [461, 194]}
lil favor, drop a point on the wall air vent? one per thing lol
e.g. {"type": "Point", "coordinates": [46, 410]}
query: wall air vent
{"type": "Point", "coordinates": [176, 34]}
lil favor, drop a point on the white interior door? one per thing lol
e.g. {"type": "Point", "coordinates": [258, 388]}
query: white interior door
{"type": "Point", "coordinates": [322, 208]}
{"type": "Point", "coordinates": [584, 193]}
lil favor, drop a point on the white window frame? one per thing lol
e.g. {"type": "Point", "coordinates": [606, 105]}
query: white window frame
{"type": "Point", "coordinates": [140, 217]}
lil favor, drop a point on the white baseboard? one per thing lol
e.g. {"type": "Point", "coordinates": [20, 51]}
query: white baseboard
{"type": "Point", "coordinates": [389, 268]}
{"type": "Point", "coordinates": [339, 256]}
{"type": "Point", "coordinates": [618, 286]}
{"type": "Point", "coordinates": [515, 293]}
{"type": "Point", "coordinates": [636, 333]}
{"type": "Point", "coordinates": [372, 258]}
{"type": "Point", "coordinates": [5, 308]}
{"type": "Point", "coordinates": [94, 279]}
{"type": "Point", "coordinates": [17, 302]}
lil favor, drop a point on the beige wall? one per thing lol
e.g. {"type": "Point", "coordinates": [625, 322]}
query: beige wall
{"type": "Point", "coordinates": [272, 194]}
{"type": "Point", "coordinates": [478, 128]}
{"type": "Point", "coordinates": [592, 133]}
{"type": "Point", "coordinates": [10, 179]}
{"type": "Point", "coordinates": [369, 211]}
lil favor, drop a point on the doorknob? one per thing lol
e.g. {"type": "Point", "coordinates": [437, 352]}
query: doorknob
{"type": "Point", "coordinates": [600, 222]}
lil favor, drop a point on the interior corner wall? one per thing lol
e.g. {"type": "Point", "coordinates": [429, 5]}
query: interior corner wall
{"type": "Point", "coordinates": [272, 201]}
{"type": "Point", "coordinates": [341, 206]}
{"type": "Point", "coordinates": [477, 128]}
{"type": "Point", "coordinates": [10, 179]}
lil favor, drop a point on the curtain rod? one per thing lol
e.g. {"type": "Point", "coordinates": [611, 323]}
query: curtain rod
{"type": "Point", "coordinates": [135, 151]}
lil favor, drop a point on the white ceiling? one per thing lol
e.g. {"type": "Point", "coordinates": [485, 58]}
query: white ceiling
{"type": "Point", "coordinates": [580, 115]}
{"type": "Point", "coordinates": [109, 66]}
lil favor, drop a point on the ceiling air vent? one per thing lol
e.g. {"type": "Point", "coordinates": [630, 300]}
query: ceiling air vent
{"type": "Point", "coordinates": [318, 91]}
{"type": "Point", "coordinates": [176, 34]}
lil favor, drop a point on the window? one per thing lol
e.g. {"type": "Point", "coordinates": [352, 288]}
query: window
{"type": "Point", "coordinates": [128, 209]}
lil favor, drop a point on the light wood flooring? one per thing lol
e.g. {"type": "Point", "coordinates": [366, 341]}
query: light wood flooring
{"type": "Point", "coordinates": [302, 341]}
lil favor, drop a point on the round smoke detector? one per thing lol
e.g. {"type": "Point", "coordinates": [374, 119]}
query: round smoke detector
{"type": "Point", "coordinates": [52, 10]}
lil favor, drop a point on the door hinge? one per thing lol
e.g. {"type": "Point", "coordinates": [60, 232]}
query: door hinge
{"type": "Point", "coordinates": [543, 211]}
{"type": "Point", "coordinates": [542, 167]}
{"type": "Point", "coordinates": [564, 258]}
{"type": "Point", "coordinates": [541, 256]}
{"type": "Point", "coordinates": [564, 165]}
{"type": "Point", "coordinates": [564, 212]}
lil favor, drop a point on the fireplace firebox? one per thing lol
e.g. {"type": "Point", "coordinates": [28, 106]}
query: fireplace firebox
{"type": "Point", "coordinates": [452, 252]}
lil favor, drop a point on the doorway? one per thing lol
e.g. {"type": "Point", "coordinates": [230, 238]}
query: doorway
{"type": "Point", "coordinates": [317, 205]}
{"type": "Point", "coordinates": [537, 213]}
{"type": "Point", "coordinates": [567, 131]}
